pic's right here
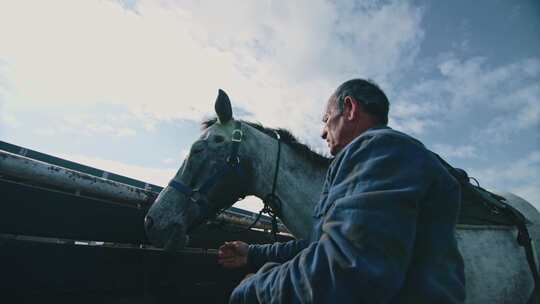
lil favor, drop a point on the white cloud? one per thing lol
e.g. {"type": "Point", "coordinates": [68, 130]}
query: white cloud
{"type": "Point", "coordinates": [460, 87]}
{"type": "Point", "coordinates": [155, 176]}
{"type": "Point", "coordinates": [521, 176]}
{"type": "Point", "coordinates": [9, 120]}
{"type": "Point", "coordinates": [125, 132]}
{"type": "Point", "coordinates": [445, 150]}
{"type": "Point", "coordinates": [412, 125]}
{"type": "Point", "coordinates": [166, 59]}
{"type": "Point", "coordinates": [84, 125]}
{"type": "Point", "coordinates": [472, 80]}
{"type": "Point", "coordinates": [176, 161]}
{"type": "Point", "coordinates": [520, 110]}
{"type": "Point", "coordinates": [530, 192]}
{"type": "Point", "coordinates": [169, 161]}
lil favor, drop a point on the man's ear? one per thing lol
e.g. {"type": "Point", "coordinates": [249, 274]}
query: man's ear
{"type": "Point", "coordinates": [351, 108]}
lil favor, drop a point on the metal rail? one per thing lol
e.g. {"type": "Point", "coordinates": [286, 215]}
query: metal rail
{"type": "Point", "coordinates": [59, 178]}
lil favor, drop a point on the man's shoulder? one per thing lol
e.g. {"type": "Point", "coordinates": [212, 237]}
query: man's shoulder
{"type": "Point", "coordinates": [385, 133]}
{"type": "Point", "coordinates": [382, 139]}
{"type": "Point", "coordinates": [405, 147]}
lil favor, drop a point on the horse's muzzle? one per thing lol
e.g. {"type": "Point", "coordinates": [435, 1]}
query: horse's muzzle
{"type": "Point", "coordinates": [171, 238]}
{"type": "Point", "coordinates": [177, 240]}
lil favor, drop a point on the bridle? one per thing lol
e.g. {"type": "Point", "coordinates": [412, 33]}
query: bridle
{"type": "Point", "coordinates": [272, 202]}
{"type": "Point", "coordinates": [232, 166]}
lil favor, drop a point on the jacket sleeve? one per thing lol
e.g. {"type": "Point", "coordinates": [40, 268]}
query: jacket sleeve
{"type": "Point", "coordinates": [367, 234]}
{"type": "Point", "coordinates": [258, 255]}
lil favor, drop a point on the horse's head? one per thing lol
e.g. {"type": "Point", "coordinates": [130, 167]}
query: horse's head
{"type": "Point", "coordinates": [212, 177]}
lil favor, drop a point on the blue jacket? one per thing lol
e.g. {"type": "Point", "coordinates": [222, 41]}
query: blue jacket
{"type": "Point", "coordinates": [384, 233]}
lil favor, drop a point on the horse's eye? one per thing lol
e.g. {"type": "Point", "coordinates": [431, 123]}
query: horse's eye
{"type": "Point", "coordinates": [218, 139]}
{"type": "Point", "coordinates": [197, 148]}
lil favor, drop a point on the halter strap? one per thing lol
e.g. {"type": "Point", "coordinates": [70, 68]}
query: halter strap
{"type": "Point", "coordinates": [272, 203]}
{"type": "Point", "coordinates": [236, 139]}
{"type": "Point", "coordinates": [232, 165]}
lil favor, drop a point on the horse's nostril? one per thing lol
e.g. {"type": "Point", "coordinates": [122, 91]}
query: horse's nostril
{"type": "Point", "coordinates": [148, 222]}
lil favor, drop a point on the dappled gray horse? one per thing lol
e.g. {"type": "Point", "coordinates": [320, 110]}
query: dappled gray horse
{"type": "Point", "coordinates": [234, 158]}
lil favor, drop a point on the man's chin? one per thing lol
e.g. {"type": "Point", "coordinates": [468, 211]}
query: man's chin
{"type": "Point", "coordinates": [334, 150]}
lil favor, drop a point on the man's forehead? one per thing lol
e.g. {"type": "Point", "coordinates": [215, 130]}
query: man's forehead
{"type": "Point", "coordinates": [330, 103]}
{"type": "Point", "coordinates": [328, 108]}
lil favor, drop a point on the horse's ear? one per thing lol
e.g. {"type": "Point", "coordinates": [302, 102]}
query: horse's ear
{"type": "Point", "coordinates": [223, 107]}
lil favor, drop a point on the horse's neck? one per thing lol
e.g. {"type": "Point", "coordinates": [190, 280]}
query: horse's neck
{"type": "Point", "coordinates": [299, 181]}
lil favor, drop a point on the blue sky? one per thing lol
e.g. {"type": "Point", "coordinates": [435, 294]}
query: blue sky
{"type": "Point", "coordinates": [123, 85]}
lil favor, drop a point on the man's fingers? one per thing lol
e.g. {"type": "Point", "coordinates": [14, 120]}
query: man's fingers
{"type": "Point", "coordinates": [227, 247]}
{"type": "Point", "coordinates": [230, 262]}
{"type": "Point", "coordinates": [226, 254]}
{"type": "Point", "coordinates": [231, 265]}
{"type": "Point", "coordinates": [229, 255]}
{"type": "Point", "coordinates": [226, 260]}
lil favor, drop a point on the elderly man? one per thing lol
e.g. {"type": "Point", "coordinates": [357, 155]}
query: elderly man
{"type": "Point", "coordinates": [384, 226]}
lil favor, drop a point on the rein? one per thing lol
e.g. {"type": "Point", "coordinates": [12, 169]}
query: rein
{"type": "Point", "coordinates": [272, 203]}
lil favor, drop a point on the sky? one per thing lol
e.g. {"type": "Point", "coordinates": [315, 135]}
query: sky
{"type": "Point", "coordinates": [123, 85]}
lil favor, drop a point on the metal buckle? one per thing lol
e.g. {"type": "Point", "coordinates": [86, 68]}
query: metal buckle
{"type": "Point", "coordinates": [239, 133]}
{"type": "Point", "coordinates": [236, 159]}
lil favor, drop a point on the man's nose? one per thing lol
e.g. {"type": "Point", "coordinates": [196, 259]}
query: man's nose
{"type": "Point", "coordinates": [324, 133]}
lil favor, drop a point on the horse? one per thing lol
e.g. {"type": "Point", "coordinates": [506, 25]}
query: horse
{"type": "Point", "coordinates": [234, 158]}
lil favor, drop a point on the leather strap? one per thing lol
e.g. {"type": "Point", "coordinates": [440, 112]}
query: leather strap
{"type": "Point", "coordinates": [232, 165]}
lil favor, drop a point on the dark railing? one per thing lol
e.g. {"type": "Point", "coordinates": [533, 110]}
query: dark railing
{"type": "Point", "coordinates": [62, 245]}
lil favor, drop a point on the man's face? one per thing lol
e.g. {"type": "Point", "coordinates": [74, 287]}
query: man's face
{"type": "Point", "coordinates": [342, 127]}
{"type": "Point", "coordinates": [334, 131]}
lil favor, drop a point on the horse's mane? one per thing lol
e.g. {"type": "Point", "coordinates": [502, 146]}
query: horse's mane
{"type": "Point", "coordinates": [286, 137]}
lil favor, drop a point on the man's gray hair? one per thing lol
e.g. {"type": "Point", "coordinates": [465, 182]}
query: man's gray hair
{"type": "Point", "coordinates": [368, 94]}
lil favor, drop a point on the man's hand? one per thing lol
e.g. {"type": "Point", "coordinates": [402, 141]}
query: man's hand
{"type": "Point", "coordinates": [233, 254]}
